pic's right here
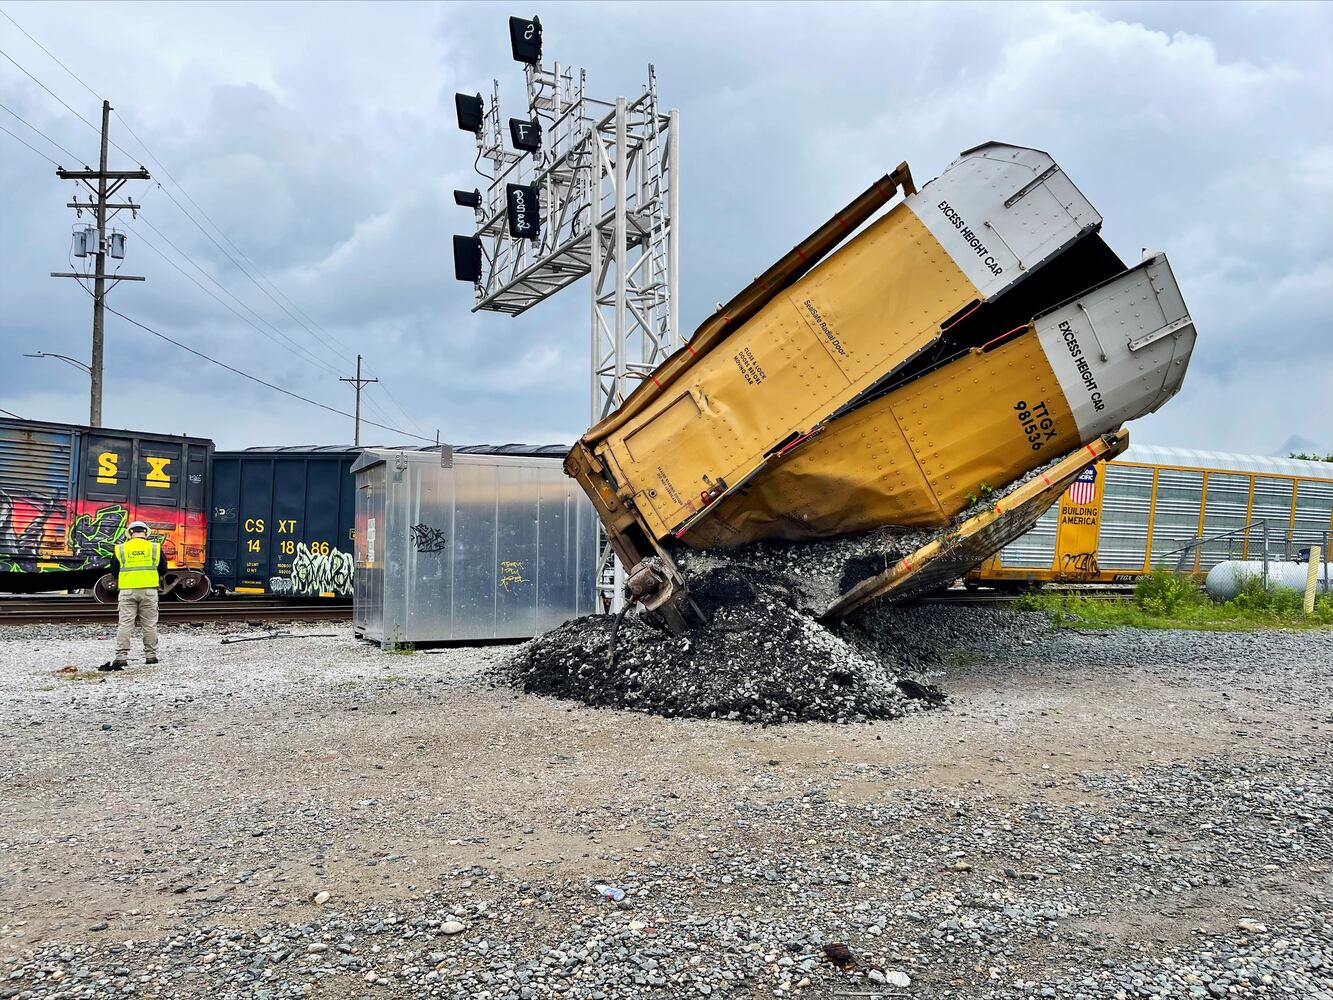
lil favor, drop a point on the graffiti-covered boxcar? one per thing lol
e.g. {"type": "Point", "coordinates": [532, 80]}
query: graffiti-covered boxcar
{"type": "Point", "coordinates": [281, 521]}
{"type": "Point", "coordinates": [68, 493]}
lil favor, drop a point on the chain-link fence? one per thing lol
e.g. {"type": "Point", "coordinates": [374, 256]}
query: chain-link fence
{"type": "Point", "coordinates": [1272, 554]}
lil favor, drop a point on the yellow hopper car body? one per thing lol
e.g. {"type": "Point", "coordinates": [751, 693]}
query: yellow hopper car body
{"type": "Point", "coordinates": [978, 329]}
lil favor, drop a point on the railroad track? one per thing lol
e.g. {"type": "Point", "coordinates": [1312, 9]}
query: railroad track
{"type": "Point", "coordinates": [42, 611]}
{"type": "Point", "coordinates": [974, 597]}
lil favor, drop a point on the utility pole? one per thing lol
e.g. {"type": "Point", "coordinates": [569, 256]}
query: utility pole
{"type": "Point", "coordinates": [103, 192]}
{"type": "Point", "coordinates": [358, 383]}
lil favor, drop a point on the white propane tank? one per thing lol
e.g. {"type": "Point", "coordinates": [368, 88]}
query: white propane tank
{"type": "Point", "coordinates": [1227, 579]}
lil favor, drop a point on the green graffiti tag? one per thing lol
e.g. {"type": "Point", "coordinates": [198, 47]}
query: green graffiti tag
{"type": "Point", "coordinates": [92, 537]}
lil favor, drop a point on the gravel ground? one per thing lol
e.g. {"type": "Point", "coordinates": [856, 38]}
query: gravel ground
{"type": "Point", "coordinates": [1090, 815]}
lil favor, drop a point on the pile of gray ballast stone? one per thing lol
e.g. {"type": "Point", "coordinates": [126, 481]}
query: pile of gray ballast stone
{"type": "Point", "coordinates": [761, 655]}
{"type": "Point", "coordinates": [757, 658]}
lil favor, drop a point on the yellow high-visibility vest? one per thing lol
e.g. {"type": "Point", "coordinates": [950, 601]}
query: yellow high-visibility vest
{"type": "Point", "coordinates": [138, 558]}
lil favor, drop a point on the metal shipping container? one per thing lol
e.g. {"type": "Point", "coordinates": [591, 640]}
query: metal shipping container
{"type": "Point", "coordinates": [281, 521]}
{"type": "Point", "coordinates": [456, 546]}
{"type": "Point", "coordinates": [67, 494]}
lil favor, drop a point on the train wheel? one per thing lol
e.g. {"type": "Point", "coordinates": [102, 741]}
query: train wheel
{"type": "Point", "coordinates": [105, 590]}
{"type": "Point", "coordinates": [191, 587]}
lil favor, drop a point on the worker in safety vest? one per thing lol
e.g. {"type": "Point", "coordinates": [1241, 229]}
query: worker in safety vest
{"type": "Point", "coordinates": [138, 564]}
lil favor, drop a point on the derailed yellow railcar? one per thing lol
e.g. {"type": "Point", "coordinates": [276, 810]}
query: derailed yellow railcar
{"type": "Point", "coordinates": [978, 329]}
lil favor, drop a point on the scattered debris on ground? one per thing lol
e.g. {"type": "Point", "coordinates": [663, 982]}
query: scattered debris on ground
{"type": "Point", "coordinates": [268, 636]}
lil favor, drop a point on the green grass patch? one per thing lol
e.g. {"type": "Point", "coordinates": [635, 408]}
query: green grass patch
{"type": "Point", "coordinates": [1163, 600]}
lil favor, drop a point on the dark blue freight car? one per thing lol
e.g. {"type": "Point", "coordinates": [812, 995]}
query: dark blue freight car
{"type": "Point", "coordinates": [281, 521]}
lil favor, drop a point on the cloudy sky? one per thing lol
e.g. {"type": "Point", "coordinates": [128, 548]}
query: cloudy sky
{"type": "Point", "coordinates": [320, 139]}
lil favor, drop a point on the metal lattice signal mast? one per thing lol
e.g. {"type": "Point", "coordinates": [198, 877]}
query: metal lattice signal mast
{"type": "Point", "coordinates": [606, 176]}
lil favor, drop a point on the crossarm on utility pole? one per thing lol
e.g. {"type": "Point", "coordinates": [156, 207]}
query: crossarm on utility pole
{"type": "Point", "coordinates": [113, 277]}
{"type": "Point", "coordinates": [92, 175]}
{"type": "Point", "coordinates": [358, 383]}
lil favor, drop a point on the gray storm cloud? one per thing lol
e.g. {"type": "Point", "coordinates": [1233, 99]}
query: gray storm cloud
{"type": "Point", "coordinates": [321, 140]}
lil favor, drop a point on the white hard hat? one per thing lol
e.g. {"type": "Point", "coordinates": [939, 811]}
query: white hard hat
{"type": "Point", "coordinates": [138, 526]}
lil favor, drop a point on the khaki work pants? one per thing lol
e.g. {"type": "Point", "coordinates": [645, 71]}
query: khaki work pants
{"type": "Point", "coordinates": [137, 607]}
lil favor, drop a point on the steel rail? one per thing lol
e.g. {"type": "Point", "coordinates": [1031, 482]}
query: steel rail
{"type": "Point", "coordinates": [34, 611]}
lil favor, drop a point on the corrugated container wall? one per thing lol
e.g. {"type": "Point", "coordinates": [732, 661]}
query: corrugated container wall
{"type": "Point", "coordinates": [38, 484]}
{"type": "Point", "coordinates": [281, 522]}
{"type": "Point", "coordinates": [466, 547]}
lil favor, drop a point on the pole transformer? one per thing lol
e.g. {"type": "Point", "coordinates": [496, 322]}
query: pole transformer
{"type": "Point", "coordinates": [108, 182]}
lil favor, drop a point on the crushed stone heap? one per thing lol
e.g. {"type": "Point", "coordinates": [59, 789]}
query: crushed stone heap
{"type": "Point", "coordinates": [812, 574]}
{"type": "Point", "coordinates": [762, 655]}
{"type": "Point", "coordinates": [758, 659]}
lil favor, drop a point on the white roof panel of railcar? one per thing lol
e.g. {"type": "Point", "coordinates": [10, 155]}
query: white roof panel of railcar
{"type": "Point", "coordinates": [1272, 465]}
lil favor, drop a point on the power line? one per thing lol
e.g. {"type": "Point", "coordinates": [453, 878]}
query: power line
{"type": "Point", "coordinates": [53, 56]}
{"type": "Point", "coordinates": [305, 321]}
{"type": "Point", "coordinates": [165, 190]}
{"type": "Point", "coordinates": [289, 344]}
{"type": "Point", "coordinates": [306, 316]}
{"type": "Point", "coordinates": [234, 261]}
{"type": "Point", "coordinates": [370, 401]}
{"type": "Point", "coordinates": [203, 288]}
{"type": "Point", "coordinates": [167, 173]}
{"type": "Point", "coordinates": [378, 408]}
{"type": "Point", "coordinates": [59, 99]}
{"type": "Point", "coordinates": [72, 157]}
{"type": "Point", "coordinates": [246, 257]}
{"type": "Point", "coordinates": [56, 96]}
{"type": "Point", "coordinates": [29, 145]}
{"type": "Point", "coordinates": [403, 412]}
{"type": "Point", "coordinates": [260, 381]}
{"type": "Point", "coordinates": [223, 364]}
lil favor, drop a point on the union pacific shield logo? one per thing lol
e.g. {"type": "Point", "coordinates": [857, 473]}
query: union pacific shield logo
{"type": "Point", "coordinates": [1083, 489]}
